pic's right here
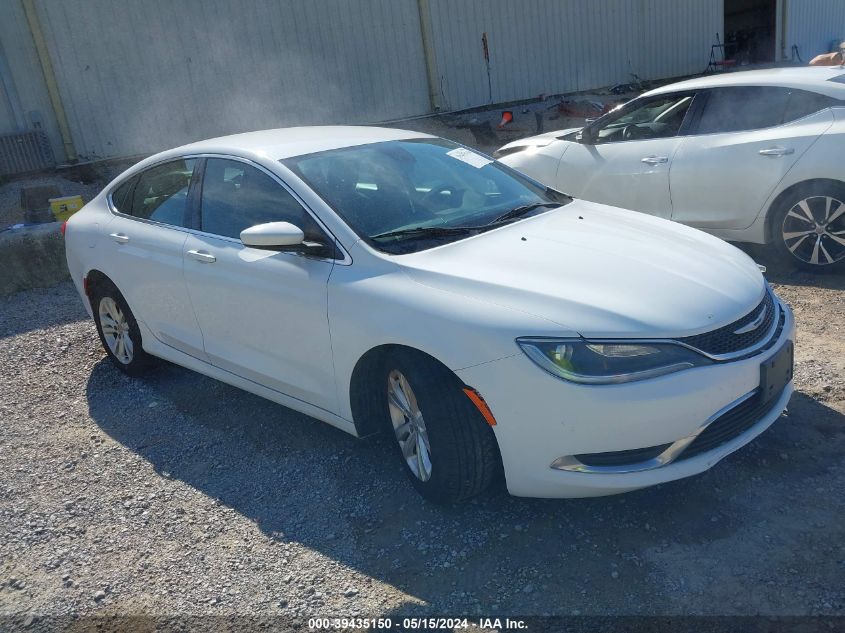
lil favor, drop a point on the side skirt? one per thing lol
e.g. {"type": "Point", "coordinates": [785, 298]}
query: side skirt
{"type": "Point", "coordinates": [153, 346]}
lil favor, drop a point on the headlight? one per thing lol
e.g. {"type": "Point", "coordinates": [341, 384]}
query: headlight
{"type": "Point", "coordinates": [583, 361]}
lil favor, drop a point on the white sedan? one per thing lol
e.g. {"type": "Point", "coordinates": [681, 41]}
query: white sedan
{"type": "Point", "coordinates": [751, 156]}
{"type": "Point", "coordinates": [383, 280]}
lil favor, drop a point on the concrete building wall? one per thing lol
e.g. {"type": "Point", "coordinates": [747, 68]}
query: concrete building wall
{"type": "Point", "coordinates": [813, 24]}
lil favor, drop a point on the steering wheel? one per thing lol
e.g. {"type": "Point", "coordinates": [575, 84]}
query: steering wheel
{"type": "Point", "coordinates": [633, 131]}
{"type": "Point", "coordinates": [435, 198]}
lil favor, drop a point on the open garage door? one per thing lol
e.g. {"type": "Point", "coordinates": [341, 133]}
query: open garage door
{"type": "Point", "coordinates": [750, 31]}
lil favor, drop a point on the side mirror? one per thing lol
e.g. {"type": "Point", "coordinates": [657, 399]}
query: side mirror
{"type": "Point", "coordinates": [284, 236]}
{"type": "Point", "coordinates": [273, 235]}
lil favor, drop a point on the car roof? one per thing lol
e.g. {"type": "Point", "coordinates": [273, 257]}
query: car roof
{"type": "Point", "coordinates": [812, 78]}
{"type": "Point", "coordinates": [295, 141]}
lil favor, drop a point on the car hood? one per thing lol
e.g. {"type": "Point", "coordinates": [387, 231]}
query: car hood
{"type": "Point", "coordinates": [539, 140]}
{"type": "Point", "coordinates": [599, 271]}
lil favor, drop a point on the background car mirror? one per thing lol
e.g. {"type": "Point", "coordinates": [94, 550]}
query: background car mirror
{"type": "Point", "coordinates": [274, 236]}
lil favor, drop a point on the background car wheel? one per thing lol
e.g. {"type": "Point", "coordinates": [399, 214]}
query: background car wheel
{"type": "Point", "coordinates": [809, 228]}
{"type": "Point", "coordinates": [448, 450]}
{"type": "Point", "coordinates": [118, 330]}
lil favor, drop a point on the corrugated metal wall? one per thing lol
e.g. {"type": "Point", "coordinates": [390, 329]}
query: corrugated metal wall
{"type": "Point", "coordinates": [138, 76]}
{"type": "Point", "coordinates": [813, 24]}
{"type": "Point", "coordinates": [552, 46]}
{"type": "Point", "coordinates": [26, 76]}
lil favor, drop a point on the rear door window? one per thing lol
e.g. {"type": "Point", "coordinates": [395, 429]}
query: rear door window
{"type": "Point", "coordinates": [161, 193]}
{"type": "Point", "coordinates": [739, 109]}
{"type": "Point", "coordinates": [802, 103]}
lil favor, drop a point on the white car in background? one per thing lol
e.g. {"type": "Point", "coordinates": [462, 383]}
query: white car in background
{"type": "Point", "coordinates": [753, 156]}
{"type": "Point", "coordinates": [383, 280]}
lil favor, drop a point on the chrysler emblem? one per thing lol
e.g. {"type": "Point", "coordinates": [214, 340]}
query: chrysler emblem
{"type": "Point", "coordinates": [757, 322]}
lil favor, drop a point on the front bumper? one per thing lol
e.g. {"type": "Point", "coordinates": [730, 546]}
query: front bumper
{"type": "Point", "coordinates": [541, 418]}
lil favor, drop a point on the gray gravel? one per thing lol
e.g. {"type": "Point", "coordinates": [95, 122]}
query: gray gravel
{"type": "Point", "coordinates": [177, 494]}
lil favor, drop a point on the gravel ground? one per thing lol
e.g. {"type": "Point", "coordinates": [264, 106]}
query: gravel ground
{"type": "Point", "coordinates": [177, 494]}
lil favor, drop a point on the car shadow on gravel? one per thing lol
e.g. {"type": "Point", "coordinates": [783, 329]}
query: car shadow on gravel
{"type": "Point", "coordinates": [302, 481]}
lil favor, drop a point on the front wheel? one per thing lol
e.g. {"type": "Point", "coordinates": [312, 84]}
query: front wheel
{"type": "Point", "coordinates": [809, 228]}
{"type": "Point", "coordinates": [448, 450]}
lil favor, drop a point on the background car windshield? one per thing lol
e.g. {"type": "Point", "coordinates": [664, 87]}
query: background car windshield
{"type": "Point", "coordinates": [395, 185]}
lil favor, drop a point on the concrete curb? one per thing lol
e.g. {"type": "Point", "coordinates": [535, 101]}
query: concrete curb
{"type": "Point", "coordinates": [32, 257]}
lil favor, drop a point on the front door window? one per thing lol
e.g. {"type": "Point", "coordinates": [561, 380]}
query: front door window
{"type": "Point", "coordinates": [657, 117]}
{"type": "Point", "coordinates": [236, 196]}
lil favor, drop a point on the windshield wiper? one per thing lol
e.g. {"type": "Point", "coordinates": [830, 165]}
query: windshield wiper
{"type": "Point", "coordinates": [524, 209]}
{"type": "Point", "coordinates": [428, 231]}
{"type": "Point", "coordinates": [446, 231]}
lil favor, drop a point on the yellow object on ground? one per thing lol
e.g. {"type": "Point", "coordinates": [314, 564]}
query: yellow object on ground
{"type": "Point", "coordinates": [65, 207]}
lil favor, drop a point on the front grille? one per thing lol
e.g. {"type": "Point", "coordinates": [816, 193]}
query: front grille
{"type": "Point", "coordinates": [730, 425]}
{"type": "Point", "coordinates": [724, 341]}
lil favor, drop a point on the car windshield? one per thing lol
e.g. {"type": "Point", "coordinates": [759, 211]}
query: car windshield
{"type": "Point", "coordinates": [409, 195]}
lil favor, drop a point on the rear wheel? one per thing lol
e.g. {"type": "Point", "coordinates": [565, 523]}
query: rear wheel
{"type": "Point", "coordinates": [809, 228]}
{"type": "Point", "coordinates": [447, 449]}
{"type": "Point", "coordinates": [118, 330]}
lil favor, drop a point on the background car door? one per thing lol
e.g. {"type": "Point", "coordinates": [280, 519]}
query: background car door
{"type": "Point", "coordinates": [263, 313]}
{"type": "Point", "coordinates": [627, 162]}
{"type": "Point", "coordinates": [146, 240]}
{"type": "Point", "coordinates": [746, 140]}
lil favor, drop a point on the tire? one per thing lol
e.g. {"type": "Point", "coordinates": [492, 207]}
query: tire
{"type": "Point", "coordinates": [118, 330]}
{"type": "Point", "coordinates": [463, 457]}
{"type": "Point", "coordinates": [808, 228]}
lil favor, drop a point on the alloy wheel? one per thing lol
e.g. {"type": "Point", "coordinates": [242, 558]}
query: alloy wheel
{"type": "Point", "coordinates": [409, 425]}
{"type": "Point", "coordinates": [115, 329]}
{"type": "Point", "coordinates": [814, 230]}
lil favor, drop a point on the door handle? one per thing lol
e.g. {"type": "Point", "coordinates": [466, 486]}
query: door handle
{"type": "Point", "coordinates": [777, 151]}
{"type": "Point", "coordinates": [203, 256]}
{"type": "Point", "coordinates": [120, 238]}
{"type": "Point", "coordinates": [654, 160]}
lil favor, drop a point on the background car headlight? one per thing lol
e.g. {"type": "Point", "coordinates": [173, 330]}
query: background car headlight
{"type": "Point", "coordinates": [606, 363]}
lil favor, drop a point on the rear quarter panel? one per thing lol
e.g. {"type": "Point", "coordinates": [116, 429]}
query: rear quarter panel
{"type": "Point", "coordinates": [82, 234]}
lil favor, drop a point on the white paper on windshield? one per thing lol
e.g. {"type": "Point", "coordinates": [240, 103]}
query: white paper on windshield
{"type": "Point", "coordinates": [468, 157]}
